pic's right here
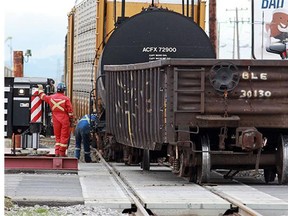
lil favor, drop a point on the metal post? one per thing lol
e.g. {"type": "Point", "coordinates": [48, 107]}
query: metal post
{"type": "Point", "coordinates": [36, 117]}
{"type": "Point", "coordinates": [213, 24]}
{"type": "Point", "coordinates": [237, 34]}
{"type": "Point", "coordinates": [35, 140]}
{"type": "Point", "coordinates": [234, 39]}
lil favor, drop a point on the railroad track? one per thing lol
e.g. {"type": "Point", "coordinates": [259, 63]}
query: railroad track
{"type": "Point", "coordinates": [159, 192]}
{"type": "Point", "coordinates": [141, 211]}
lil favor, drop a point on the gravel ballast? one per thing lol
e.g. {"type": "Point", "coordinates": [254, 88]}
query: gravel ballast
{"type": "Point", "coordinates": [76, 210]}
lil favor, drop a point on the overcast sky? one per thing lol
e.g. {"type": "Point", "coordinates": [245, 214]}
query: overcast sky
{"type": "Point", "coordinates": [41, 26]}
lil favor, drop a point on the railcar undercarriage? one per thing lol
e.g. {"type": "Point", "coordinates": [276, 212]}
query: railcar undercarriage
{"type": "Point", "coordinates": [197, 157]}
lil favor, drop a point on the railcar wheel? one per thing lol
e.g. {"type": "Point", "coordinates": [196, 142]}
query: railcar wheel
{"type": "Point", "coordinates": [282, 160]}
{"type": "Point", "coordinates": [146, 160]}
{"type": "Point", "coordinates": [204, 170]}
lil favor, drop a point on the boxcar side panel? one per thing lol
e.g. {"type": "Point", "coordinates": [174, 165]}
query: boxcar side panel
{"type": "Point", "coordinates": [135, 105]}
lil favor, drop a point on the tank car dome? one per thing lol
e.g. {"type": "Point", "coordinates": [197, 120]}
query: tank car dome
{"type": "Point", "coordinates": [154, 34]}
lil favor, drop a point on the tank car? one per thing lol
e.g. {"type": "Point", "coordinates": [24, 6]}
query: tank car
{"type": "Point", "coordinates": [90, 24]}
{"type": "Point", "coordinates": [151, 35]}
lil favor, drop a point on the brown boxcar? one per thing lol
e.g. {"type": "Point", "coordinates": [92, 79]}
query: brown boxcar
{"type": "Point", "coordinates": [208, 114]}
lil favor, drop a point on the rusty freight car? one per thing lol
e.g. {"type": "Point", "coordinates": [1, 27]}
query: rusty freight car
{"type": "Point", "coordinates": [209, 114]}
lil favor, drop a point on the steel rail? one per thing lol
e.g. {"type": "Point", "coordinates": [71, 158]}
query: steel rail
{"type": "Point", "coordinates": [243, 210]}
{"type": "Point", "coordinates": [141, 211]}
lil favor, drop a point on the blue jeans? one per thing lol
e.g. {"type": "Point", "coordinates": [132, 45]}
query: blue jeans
{"type": "Point", "coordinates": [81, 135]}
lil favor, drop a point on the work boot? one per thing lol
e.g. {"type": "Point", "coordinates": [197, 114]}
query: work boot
{"type": "Point", "coordinates": [88, 160]}
{"type": "Point", "coordinates": [87, 157]}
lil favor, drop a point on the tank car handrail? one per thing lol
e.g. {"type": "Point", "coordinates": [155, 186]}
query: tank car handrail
{"type": "Point", "coordinates": [136, 66]}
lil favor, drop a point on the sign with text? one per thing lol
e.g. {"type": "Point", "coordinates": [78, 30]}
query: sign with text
{"type": "Point", "coordinates": [270, 27]}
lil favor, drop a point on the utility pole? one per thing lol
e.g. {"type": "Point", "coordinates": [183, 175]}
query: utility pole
{"type": "Point", "coordinates": [237, 33]}
{"type": "Point", "coordinates": [236, 30]}
{"type": "Point", "coordinates": [234, 33]}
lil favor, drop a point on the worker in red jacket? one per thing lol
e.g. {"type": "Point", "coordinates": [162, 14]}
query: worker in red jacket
{"type": "Point", "coordinates": [62, 117]}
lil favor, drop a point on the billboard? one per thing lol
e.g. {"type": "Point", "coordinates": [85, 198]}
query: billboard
{"type": "Point", "coordinates": [269, 27]}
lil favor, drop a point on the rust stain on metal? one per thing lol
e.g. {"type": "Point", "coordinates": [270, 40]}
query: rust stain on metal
{"type": "Point", "coordinates": [213, 24]}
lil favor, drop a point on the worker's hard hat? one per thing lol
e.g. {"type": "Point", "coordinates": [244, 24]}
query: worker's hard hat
{"type": "Point", "coordinates": [61, 87]}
